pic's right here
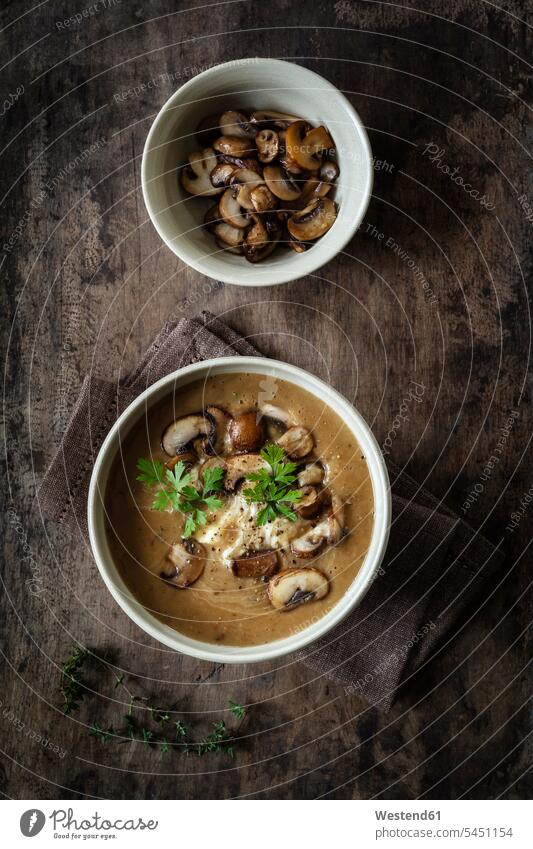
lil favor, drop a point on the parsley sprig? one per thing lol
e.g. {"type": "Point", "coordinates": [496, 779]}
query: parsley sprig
{"type": "Point", "coordinates": [176, 491]}
{"type": "Point", "coordinates": [273, 486]}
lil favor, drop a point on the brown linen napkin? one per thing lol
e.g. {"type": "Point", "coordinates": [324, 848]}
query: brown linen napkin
{"type": "Point", "coordinates": [64, 490]}
{"type": "Point", "coordinates": [435, 565]}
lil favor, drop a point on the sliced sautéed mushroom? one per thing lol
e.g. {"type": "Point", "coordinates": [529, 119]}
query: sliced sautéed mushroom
{"type": "Point", "coordinates": [269, 178]}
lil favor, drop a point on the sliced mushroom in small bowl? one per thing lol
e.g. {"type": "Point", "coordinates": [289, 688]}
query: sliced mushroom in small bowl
{"type": "Point", "coordinates": [234, 123]}
{"type": "Point", "coordinates": [196, 176]}
{"type": "Point", "coordinates": [261, 163]}
{"type": "Point", "coordinates": [231, 211]}
{"type": "Point", "coordinates": [230, 237]}
{"type": "Point", "coordinates": [221, 174]}
{"type": "Point", "coordinates": [312, 221]}
{"type": "Point", "coordinates": [234, 146]}
{"type": "Point", "coordinates": [267, 142]}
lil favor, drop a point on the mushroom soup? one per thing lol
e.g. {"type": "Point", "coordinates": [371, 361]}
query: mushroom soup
{"type": "Point", "coordinates": [236, 521]}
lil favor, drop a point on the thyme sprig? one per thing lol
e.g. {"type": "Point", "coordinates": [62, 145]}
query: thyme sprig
{"type": "Point", "coordinates": [72, 689]}
{"type": "Point", "coordinates": [165, 724]}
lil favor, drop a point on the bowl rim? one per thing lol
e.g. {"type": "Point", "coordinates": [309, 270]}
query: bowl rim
{"type": "Point", "coordinates": [348, 601]}
{"type": "Point", "coordinates": [305, 266]}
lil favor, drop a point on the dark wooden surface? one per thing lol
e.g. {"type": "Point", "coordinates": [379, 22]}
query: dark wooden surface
{"type": "Point", "coordinates": [86, 284]}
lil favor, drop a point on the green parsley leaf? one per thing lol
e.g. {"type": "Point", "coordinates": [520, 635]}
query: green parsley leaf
{"type": "Point", "coordinates": [163, 500]}
{"type": "Point", "coordinates": [213, 479]}
{"type": "Point", "coordinates": [152, 472]}
{"type": "Point", "coordinates": [285, 511]}
{"type": "Point", "coordinates": [190, 527]}
{"type": "Point", "coordinates": [177, 493]}
{"type": "Point", "coordinates": [273, 488]}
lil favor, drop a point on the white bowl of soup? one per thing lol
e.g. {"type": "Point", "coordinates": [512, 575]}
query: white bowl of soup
{"type": "Point", "coordinates": [239, 509]}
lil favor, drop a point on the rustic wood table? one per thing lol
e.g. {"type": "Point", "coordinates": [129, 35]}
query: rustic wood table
{"type": "Point", "coordinates": [433, 289]}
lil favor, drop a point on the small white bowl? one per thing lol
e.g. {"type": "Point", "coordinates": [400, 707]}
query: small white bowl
{"type": "Point", "coordinates": [251, 84]}
{"type": "Point", "coordinates": [137, 410]}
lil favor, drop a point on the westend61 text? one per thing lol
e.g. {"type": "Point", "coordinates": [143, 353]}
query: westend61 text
{"type": "Point", "coordinates": [407, 815]}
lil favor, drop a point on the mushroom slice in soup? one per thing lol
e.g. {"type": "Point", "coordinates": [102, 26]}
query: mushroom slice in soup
{"type": "Point", "coordinates": [311, 474]}
{"type": "Point", "coordinates": [220, 441]}
{"type": "Point", "coordinates": [255, 564]}
{"type": "Point", "coordinates": [184, 434]}
{"type": "Point", "coordinates": [292, 587]}
{"type": "Point", "coordinates": [327, 532]}
{"type": "Point", "coordinates": [187, 558]}
{"type": "Point", "coordinates": [187, 456]}
{"type": "Point", "coordinates": [246, 432]}
{"type": "Point", "coordinates": [180, 434]}
{"type": "Point", "coordinates": [241, 465]}
{"type": "Point", "coordinates": [212, 463]}
{"type": "Point", "coordinates": [311, 502]}
{"type": "Point", "coordinates": [270, 411]}
{"type": "Point", "coordinates": [297, 442]}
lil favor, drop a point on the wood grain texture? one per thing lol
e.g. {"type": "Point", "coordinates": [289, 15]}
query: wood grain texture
{"type": "Point", "coordinates": [87, 284]}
